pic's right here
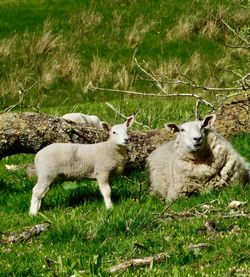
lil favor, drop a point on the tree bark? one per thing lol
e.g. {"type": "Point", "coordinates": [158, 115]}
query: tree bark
{"type": "Point", "coordinates": [29, 132]}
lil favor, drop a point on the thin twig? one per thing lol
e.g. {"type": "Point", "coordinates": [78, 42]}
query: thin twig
{"type": "Point", "coordinates": [233, 31]}
{"type": "Point", "coordinates": [21, 97]}
{"type": "Point", "coordinates": [197, 86]}
{"type": "Point", "coordinates": [124, 116]}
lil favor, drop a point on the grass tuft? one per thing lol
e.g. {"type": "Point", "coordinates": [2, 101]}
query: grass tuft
{"type": "Point", "coordinates": [136, 34]}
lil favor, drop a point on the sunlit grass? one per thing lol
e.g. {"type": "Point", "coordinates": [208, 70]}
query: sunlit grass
{"type": "Point", "coordinates": [59, 48]}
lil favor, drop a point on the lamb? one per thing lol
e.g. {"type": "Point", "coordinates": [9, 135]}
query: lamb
{"type": "Point", "coordinates": [89, 120]}
{"type": "Point", "coordinates": [199, 159]}
{"type": "Point", "coordinates": [101, 161]}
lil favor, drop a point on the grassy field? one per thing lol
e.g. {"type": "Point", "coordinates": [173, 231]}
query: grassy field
{"type": "Point", "coordinates": [49, 52]}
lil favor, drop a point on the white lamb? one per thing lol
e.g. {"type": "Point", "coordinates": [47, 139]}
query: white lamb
{"type": "Point", "coordinates": [89, 120]}
{"type": "Point", "coordinates": [199, 159]}
{"type": "Point", "coordinates": [101, 161]}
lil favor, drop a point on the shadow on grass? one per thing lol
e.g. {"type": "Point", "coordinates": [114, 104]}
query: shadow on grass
{"type": "Point", "coordinates": [72, 194]}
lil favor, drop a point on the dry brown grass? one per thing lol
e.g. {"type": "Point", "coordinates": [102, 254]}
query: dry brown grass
{"type": "Point", "coordinates": [7, 46]}
{"type": "Point", "coordinates": [211, 29]}
{"type": "Point", "coordinates": [69, 67]}
{"type": "Point", "coordinates": [85, 21]}
{"type": "Point", "coordinates": [48, 41]}
{"type": "Point", "coordinates": [117, 21]}
{"type": "Point", "coordinates": [135, 35]}
{"type": "Point", "coordinates": [195, 64]}
{"type": "Point", "coordinates": [122, 79]}
{"type": "Point", "coordinates": [241, 17]}
{"type": "Point", "coordinates": [99, 71]}
{"type": "Point", "coordinates": [182, 30]}
{"type": "Point", "coordinates": [46, 58]}
{"type": "Point", "coordinates": [168, 69]}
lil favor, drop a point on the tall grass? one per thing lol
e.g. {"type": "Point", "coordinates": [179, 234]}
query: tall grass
{"type": "Point", "coordinates": [82, 42]}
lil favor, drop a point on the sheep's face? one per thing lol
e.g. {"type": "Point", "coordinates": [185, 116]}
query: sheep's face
{"type": "Point", "coordinates": [118, 134]}
{"type": "Point", "coordinates": [192, 134]}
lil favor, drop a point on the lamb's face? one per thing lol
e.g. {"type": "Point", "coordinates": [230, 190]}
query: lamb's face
{"type": "Point", "coordinates": [192, 134]}
{"type": "Point", "coordinates": [118, 134]}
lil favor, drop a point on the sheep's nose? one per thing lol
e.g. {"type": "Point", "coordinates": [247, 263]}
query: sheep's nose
{"type": "Point", "coordinates": [126, 141]}
{"type": "Point", "coordinates": [197, 139]}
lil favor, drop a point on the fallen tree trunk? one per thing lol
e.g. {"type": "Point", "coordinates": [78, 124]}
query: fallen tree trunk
{"type": "Point", "coordinates": [25, 235]}
{"type": "Point", "coordinates": [29, 132]}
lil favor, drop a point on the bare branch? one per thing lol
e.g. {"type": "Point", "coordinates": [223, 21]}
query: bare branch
{"type": "Point", "coordinates": [161, 257]}
{"type": "Point", "coordinates": [124, 116]}
{"type": "Point", "coordinates": [207, 103]}
{"type": "Point", "coordinates": [21, 97]}
{"type": "Point", "coordinates": [234, 32]}
{"type": "Point", "coordinates": [207, 88]}
{"type": "Point", "coordinates": [25, 235]}
{"type": "Point", "coordinates": [202, 245]}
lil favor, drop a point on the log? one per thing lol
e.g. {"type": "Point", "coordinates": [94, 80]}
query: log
{"type": "Point", "coordinates": [29, 132]}
{"type": "Point", "coordinates": [146, 261]}
{"type": "Point", "coordinates": [25, 235]}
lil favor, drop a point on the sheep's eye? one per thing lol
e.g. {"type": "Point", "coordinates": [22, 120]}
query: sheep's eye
{"type": "Point", "coordinates": [114, 132]}
{"type": "Point", "coordinates": [182, 130]}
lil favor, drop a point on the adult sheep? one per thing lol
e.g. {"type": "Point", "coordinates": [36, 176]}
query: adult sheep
{"type": "Point", "coordinates": [101, 161]}
{"type": "Point", "coordinates": [199, 159]}
{"type": "Point", "coordinates": [89, 120]}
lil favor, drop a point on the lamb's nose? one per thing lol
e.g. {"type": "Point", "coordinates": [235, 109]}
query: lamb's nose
{"type": "Point", "coordinates": [126, 141]}
{"type": "Point", "coordinates": [197, 139]}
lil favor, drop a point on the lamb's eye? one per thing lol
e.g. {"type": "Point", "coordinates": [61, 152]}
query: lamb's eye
{"type": "Point", "coordinates": [182, 130]}
{"type": "Point", "coordinates": [114, 132]}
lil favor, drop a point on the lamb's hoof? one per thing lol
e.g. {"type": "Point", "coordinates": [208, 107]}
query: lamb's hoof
{"type": "Point", "coordinates": [109, 207]}
{"type": "Point", "coordinates": [32, 213]}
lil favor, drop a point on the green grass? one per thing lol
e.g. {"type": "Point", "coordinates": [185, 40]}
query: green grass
{"type": "Point", "coordinates": [62, 45]}
{"type": "Point", "coordinates": [85, 236]}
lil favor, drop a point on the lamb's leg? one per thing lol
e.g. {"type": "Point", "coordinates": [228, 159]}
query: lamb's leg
{"type": "Point", "coordinates": [38, 192]}
{"type": "Point", "coordinates": [103, 182]}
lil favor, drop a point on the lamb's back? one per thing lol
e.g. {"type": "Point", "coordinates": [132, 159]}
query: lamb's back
{"type": "Point", "coordinates": [69, 159]}
{"type": "Point", "coordinates": [80, 160]}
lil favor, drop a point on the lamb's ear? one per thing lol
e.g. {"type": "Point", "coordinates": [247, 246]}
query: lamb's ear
{"type": "Point", "coordinates": [208, 121]}
{"type": "Point", "coordinates": [172, 127]}
{"type": "Point", "coordinates": [129, 121]}
{"type": "Point", "coordinates": [104, 125]}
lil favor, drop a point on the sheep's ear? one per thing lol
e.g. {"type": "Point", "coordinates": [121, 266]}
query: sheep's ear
{"type": "Point", "coordinates": [172, 127]}
{"type": "Point", "coordinates": [104, 125]}
{"type": "Point", "coordinates": [208, 121]}
{"type": "Point", "coordinates": [129, 121]}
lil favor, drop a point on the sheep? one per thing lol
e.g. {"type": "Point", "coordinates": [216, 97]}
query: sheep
{"type": "Point", "coordinates": [199, 159]}
{"type": "Point", "coordinates": [89, 120]}
{"type": "Point", "coordinates": [101, 161]}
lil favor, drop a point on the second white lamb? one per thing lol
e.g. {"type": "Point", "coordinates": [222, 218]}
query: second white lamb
{"type": "Point", "coordinates": [88, 120]}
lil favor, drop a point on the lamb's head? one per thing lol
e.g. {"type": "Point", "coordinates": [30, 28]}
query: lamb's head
{"type": "Point", "coordinates": [192, 134]}
{"type": "Point", "coordinates": [118, 134]}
